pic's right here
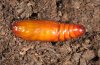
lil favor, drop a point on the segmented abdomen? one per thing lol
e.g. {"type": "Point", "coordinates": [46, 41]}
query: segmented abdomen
{"type": "Point", "coordinates": [44, 30]}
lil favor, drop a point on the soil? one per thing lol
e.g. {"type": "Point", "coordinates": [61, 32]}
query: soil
{"type": "Point", "coordinates": [82, 51]}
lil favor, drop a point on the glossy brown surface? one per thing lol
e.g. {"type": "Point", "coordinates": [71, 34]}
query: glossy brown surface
{"type": "Point", "coordinates": [44, 30]}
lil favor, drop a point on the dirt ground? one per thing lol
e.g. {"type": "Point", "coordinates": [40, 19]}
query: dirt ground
{"type": "Point", "coordinates": [82, 51]}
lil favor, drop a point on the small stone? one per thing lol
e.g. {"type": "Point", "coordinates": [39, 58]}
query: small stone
{"type": "Point", "coordinates": [87, 41]}
{"type": "Point", "coordinates": [88, 55]}
{"type": "Point", "coordinates": [77, 5]}
{"type": "Point", "coordinates": [68, 63]}
{"type": "Point", "coordinates": [82, 61]}
{"type": "Point", "coordinates": [76, 57]}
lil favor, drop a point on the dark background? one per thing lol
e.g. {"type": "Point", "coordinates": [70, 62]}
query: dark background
{"type": "Point", "coordinates": [82, 51]}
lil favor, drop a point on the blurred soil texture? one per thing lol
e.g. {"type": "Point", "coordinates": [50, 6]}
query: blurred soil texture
{"type": "Point", "coordinates": [82, 51]}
